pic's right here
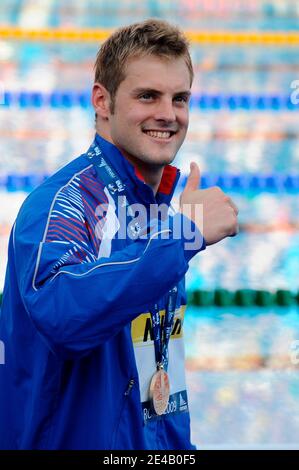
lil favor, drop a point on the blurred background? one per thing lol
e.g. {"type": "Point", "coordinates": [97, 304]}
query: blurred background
{"type": "Point", "coordinates": [242, 325]}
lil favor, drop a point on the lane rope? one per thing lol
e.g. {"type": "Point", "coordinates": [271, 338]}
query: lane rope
{"type": "Point", "coordinates": [241, 298]}
{"type": "Point", "coordinates": [226, 38]}
{"type": "Point", "coordinates": [240, 183]}
{"type": "Point", "coordinates": [233, 102]}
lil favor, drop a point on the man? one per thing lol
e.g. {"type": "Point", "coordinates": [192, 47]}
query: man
{"type": "Point", "coordinates": [94, 297]}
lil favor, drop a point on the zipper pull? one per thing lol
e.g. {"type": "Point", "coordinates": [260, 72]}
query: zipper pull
{"type": "Point", "coordinates": [130, 386]}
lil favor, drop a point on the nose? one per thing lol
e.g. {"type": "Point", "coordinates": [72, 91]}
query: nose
{"type": "Point", "coordinates": [165, 111]}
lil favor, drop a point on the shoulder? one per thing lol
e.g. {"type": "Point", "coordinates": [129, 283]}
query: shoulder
{"type": "Point", "coordinates": [69, 186]}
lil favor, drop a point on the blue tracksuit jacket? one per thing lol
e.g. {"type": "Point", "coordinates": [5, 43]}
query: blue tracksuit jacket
{"type": "Point", "coordinates": [75, 318]}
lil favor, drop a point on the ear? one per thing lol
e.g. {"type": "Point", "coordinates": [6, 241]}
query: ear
{"type": "Point", "coordinates": [101, 101]}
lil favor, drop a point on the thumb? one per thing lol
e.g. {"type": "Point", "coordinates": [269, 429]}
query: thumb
{"type": "Point", "coordinates": [193, 181]}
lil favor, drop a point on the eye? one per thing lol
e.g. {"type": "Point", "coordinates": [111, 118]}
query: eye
{"type": "Point", "coordinates": [146, 96]}
{"type": "Point", "coordinates": [181, 99]}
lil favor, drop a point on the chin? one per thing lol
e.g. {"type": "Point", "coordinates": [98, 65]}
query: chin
{"type": "Point", "coordinates": [156, 158]}
{"type": "Point", "coordinates": [167, 159]}
{"type": "Point", "coordinates": [162, 160]}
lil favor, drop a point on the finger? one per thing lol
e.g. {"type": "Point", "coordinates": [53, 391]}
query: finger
{"type": "Point", "coordinates": [193, 181]}
{"type": "Point", "coordinates": [233, 205]}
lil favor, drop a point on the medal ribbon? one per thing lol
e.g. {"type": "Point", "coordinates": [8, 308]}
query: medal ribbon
{"type": "Point", "coordinates": [115, 186]}
{"type": "Point", "coordinates": [162, 335]}
{"type": "Point", "coordinates": [104, 171]}
{"type": "Point", "coordinates": [118, 189]}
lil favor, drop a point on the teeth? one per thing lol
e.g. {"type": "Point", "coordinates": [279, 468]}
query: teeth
{"type": "Point", "coordinates": [160, 135]}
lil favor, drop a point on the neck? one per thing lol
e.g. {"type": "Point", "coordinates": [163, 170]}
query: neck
{"type": "Point", "coordinates": [152, 174]}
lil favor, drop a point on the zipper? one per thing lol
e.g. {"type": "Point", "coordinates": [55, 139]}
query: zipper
{"type": "Point", "coordinates": [130, 386]}
{"type": "Point", "coordinates": [124, 402]}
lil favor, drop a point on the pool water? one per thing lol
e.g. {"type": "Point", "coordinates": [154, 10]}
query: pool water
{"type": "Point", "coordinates": [242, 375]}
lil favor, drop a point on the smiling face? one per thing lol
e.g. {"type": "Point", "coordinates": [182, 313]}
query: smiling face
{"type": "Point", "coordinates": [151, 111]}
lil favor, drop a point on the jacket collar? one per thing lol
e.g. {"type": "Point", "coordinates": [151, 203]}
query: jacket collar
{"type": "Point", "coordinates": [133, 179]}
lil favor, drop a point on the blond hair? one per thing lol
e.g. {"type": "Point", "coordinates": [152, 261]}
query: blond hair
{"type": "Point", "coordinates": [150, 37]}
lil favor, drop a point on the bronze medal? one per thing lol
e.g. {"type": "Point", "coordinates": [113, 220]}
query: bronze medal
{"type": "Point", "coordinates": [160, 391]}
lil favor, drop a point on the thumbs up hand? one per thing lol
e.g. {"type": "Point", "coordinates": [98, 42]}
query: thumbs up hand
{"type": "Point", "coordinates": [219, 213]}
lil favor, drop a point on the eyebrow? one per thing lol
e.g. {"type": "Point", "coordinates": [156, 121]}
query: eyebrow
{"type": "Point", "coordinates": [138, 91]}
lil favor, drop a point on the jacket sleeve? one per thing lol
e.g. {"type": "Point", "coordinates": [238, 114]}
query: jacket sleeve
{"type": "Point", "coordinates": [83, 304]}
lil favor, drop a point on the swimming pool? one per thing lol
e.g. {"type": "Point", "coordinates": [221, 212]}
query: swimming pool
{"type": "Point", "coordinates": [243, 385]}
